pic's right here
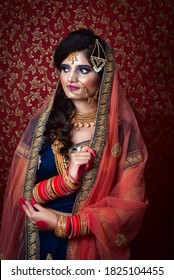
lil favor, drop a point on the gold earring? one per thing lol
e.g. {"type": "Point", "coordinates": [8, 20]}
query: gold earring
{"type": "Point", "coordinates": [92, 99]}
{"type": "Point", "coordinates": [84, 91]}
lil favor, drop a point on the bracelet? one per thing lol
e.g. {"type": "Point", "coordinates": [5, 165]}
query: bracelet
{"type": "Point", "coordinates": [63, 225]}
{"type": "Point", "coordinates": [50, 189]}
{"type": "Point", "coordinates": [71, 226]}
{"type": "Point", "coordinates": [71, 178]}
{"type": "Point", "coordinates": [69, 183]}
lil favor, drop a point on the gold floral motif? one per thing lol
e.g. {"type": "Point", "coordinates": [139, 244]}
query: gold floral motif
{"type": "Point", "coordinates": [121, 240]}
{"type": "Point", "coordinates": [116, 150]}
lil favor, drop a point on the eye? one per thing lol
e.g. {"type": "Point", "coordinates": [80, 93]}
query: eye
{"type": "Point", "coordinates": [65, 68]}
{"type": "Point", "coordinates": [84, 70]}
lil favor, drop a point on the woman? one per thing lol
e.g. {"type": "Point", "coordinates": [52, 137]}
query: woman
{"type": "Point", "coordinates": [78, 170]}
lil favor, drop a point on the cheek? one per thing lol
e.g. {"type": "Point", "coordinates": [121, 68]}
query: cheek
{"type": "Point", "coordinates": [92, 84]}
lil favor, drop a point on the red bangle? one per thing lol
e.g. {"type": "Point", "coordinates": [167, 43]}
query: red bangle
{"type": "Point", "coordinates": [74, 181]}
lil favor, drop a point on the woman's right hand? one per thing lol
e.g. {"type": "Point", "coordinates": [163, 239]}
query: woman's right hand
{"type": "Point", "coordinates": [80, 162]}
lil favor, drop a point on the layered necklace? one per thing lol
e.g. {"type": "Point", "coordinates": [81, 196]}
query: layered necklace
{"type": "Point", "coordinates": [81, 120]}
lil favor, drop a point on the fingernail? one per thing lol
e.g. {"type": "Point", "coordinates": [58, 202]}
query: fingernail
{"type": "Point", "coordinates": [33, 201]}
{"type": "Point", "coordinates": [22, 201]}
{"type": "Point", "coordinates": [94, 153]}
{"type": "Point", "coordinates": [86, 167]}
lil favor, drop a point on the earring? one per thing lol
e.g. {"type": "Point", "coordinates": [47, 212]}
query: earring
{"type": "Point", "coordinates": [92, 99]}
{"type": "Point", "coordinates": [84, 91]}
{"type": "Point", "coordinates": [97, 61]}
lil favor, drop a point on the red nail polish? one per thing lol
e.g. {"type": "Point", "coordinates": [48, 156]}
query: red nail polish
{"type": "Point", "coordinates": [22, 201]}
{"type": "Point", "coordinates": [94, 154]}
{"type": "Point", "coordinates": [33, 201]}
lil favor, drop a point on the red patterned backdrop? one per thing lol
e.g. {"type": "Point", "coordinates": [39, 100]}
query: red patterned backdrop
{"type": "Point", "coordinates": [141, 33]}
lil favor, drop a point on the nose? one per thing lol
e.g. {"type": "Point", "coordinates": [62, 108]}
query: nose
{"type": "Point", "coordinates": [72, 78]}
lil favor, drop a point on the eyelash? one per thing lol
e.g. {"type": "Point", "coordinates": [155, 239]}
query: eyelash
{"type": "Point", "coordinates": [82, 70]}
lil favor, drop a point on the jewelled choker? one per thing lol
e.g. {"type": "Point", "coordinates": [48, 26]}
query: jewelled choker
{"type": "Point", "coordinates": [81, 120]}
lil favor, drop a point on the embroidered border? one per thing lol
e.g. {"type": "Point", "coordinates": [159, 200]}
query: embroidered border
{"type": "Point", "coordinates": [32, 236]}
{"type": "Point", "coordinates": [133, 159]}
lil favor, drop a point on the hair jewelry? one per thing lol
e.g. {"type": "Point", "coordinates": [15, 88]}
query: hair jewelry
{"type": "Point", "coordinates": [97, 61]}
{"type": "Point", "coordinates": [73, 57]}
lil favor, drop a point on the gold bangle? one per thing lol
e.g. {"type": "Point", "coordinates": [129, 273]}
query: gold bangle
{"type": "Point", "coordinates": [36, 195]}
{"type": "Point", "coordinates": [50, 189]}
{"type": "Point", "coordinates": [84, 227]}
{"type": "Point", "coordinates": [60, 229]}
{"type": "Point", "coordinates": [69, 183]}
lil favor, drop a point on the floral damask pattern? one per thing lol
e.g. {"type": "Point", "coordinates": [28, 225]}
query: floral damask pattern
{"type": "Point", "coordinates": [141, 33]}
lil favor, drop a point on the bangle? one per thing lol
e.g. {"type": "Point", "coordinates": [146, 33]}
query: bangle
{"type": "Point", "coordinates": [71, 178]}
{"type": "Point", "coordinates": [68, 182]}
{"type": "Point", "coordinates": [61, 228]}
{"type": "Point", "coordinates": [52, 188]}
{"type": "Point", "coordinates": [71, 226]}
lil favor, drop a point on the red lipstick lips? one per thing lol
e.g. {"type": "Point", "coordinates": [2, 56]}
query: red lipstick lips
{"type": "Point", "coordinates": [73, 88]}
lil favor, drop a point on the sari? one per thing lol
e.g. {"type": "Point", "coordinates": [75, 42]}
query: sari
{"type": "Point", "coordinates": [112, 195]}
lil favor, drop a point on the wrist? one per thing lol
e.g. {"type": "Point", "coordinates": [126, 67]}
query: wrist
{"type": "Point", "coordinates": [73, 180]}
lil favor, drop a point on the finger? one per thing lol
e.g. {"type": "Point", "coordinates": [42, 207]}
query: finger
{"type": "Point", "coordinates": [29, 206]}
{"type": "Point", "coordinates": [29, 209]}
{"type": "Point", "coordinates": [27, 212]}
{"type": "Point", "coordinates": [37, 207]}
{"type": "Point", "coordinates": [90, 150]}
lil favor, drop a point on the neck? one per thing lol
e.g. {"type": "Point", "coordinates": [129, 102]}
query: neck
{"type": "Point", "coordinates": [85, 107]}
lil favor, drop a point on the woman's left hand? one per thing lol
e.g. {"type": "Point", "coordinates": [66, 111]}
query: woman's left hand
{"type": "Point", "coordinates": [39, 216]}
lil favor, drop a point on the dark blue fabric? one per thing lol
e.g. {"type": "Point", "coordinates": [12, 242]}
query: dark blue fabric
{"type": "Point", "coordinates": [49, 242]}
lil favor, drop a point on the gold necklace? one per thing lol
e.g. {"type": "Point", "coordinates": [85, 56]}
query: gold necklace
{"type": "Point", "coordinates": [80, 120]}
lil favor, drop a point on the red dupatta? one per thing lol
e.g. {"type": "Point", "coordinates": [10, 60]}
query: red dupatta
{"type": "Point", "coordinates": [116, 203]}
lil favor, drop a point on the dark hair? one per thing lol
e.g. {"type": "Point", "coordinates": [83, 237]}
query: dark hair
{"type": "Point", "coordinates": [82, 39]}
{"type": "Point", "coordinates": [59, 125]}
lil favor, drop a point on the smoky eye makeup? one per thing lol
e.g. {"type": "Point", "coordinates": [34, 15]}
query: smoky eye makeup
{"type": "Point", "coordinates": [64, 67]}
{"type": "Point", "coordinates": [84, 69]}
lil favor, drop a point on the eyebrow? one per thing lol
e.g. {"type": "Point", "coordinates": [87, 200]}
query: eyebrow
{"type": "Point", "coordinates": [80, 65]}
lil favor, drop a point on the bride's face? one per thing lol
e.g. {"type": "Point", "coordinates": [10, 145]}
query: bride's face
{"type": "Point", "coordinates": [78, 78]}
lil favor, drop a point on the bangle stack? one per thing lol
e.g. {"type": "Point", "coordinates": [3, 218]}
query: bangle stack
{"type": "Point", "coordinates": [71, 226]}
{"type": "Point", "coordinates": [54, 187]}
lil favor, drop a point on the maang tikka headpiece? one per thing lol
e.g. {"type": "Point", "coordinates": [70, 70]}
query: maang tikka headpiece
{"type": "Point", "coordinates": [97, 61]}
{"type": "Point", "coordinates": [73, 57]}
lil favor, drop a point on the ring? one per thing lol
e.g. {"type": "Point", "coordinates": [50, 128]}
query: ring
{"type": "Point", "coordinates": [79, 148]}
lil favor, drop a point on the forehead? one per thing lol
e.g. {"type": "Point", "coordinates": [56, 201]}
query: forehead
{"type": "Point", "coordinates": [76, 58]}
